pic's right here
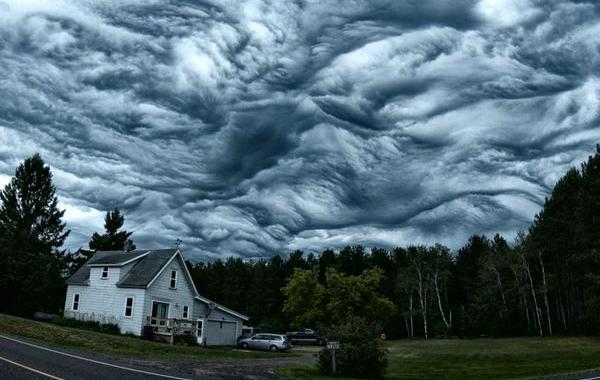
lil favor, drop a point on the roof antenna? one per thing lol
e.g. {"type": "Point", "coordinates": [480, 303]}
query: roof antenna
{"type": "Point", "coordinates": [178, 243]}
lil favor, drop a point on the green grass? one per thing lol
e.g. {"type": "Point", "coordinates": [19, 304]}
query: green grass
{"type": "Point", "coordinates": [89, 341]}
{"type": "Point", "coordinates": [515, 358]}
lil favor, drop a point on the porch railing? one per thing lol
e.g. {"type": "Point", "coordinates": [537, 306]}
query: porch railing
{"type": "Point", "coordinates": [172, 326]}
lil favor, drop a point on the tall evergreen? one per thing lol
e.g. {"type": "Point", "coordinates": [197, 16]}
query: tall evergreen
{"type": "Point", "coordinates": [112, 239]}
{"type": "Point", "coordinates": [31, 234]}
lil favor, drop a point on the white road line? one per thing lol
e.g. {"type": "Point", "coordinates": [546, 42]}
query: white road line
{"type": "Point", "coordinates": [92, 360]}
{"type": "Point", "coordinates": [591, 378]}
{"type": "Point", "coordinates": [31, 369]}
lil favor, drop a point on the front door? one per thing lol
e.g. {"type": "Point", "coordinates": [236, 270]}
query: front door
{"type": "Point", "coordinates": [200, 332]}
{"type": "Point", "coordinates": [160, 313]}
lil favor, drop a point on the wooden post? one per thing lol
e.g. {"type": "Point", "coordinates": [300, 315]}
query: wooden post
{"type": "Point", "coordinates": [333, 362]}
{"type": "Point", "coordinates": [333, 345]}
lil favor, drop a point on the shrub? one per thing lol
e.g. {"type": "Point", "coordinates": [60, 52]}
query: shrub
{"type": "Point", "coordinates": [107, 328]}
{"type": "Point", "coordinates": [361, 354]}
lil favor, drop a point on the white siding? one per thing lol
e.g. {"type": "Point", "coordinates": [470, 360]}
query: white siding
{"type": "Point", "coordinates": [96, 279]}
{"type": "Point", "coordinates": [176, 298]}
{"type": "Point", "coordinates": [105, 303]}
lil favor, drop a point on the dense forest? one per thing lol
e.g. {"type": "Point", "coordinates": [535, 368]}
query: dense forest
{"type": "Point", "coordinates": [546, 281]}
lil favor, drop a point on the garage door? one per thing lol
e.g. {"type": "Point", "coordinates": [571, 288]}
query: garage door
{"type": "Point", "coordinates": [220, 333]}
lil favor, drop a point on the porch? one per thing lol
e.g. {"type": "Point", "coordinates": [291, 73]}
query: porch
{"type": "Point", "coordinates": [171, 330]}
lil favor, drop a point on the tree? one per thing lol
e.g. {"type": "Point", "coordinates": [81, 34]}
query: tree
{"type": "Point", "coordinates": [361, 353]}
{"type": "Point", "coordinates": [31, 233]}
{"type": "Point", "coordinates": [405, 285]}
{"type": "Point", "coordinates": [310, 303]}
{"type": "Point", "coordinates": [352, 260]}
{"type": "Point", "coordinates": [112, 239]}
{"type": "Point", "coordinates": [441, 263]}
{"type": "Point", "coordinates": [420, 264]}
{"type": "Point", "coordinates": [357, 296]}
{"type": "Point", "coordinates": [76, 259]}
{"type": "Point", "coordinates": [304, 298]}
{"type": "Point", "coordinates": [465, 278]}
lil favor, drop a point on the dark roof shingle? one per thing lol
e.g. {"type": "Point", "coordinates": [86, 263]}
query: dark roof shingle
{"type": "Point", "coordinates": [80, 277]}
{"type": "Point", "coordinates": [146, 268]}
{"type": "Point", "coordinates": [139, 276]}
{"type": "Point", "coordinates": [114, 257]}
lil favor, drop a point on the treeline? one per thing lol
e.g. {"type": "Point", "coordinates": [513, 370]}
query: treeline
{"type": "Point", "coordinates": [545, 282]}
{"type": "Point", "coordinates": [255, 287]}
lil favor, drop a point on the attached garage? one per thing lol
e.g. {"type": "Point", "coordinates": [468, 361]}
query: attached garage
{"type": "Point", "coordinates": [220, 333]}
{"type": "Point", "coordinates": [217, 325]}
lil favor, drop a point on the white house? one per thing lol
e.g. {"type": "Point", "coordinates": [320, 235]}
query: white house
{"type": "Point", "coordinates": [142, 288]}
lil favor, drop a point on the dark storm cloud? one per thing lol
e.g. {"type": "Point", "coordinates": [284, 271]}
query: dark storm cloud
{"type": "Point", "coordinates": [258, 127]}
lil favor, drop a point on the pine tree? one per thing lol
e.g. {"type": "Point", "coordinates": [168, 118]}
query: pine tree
{"type": "Point", "coordinates": [31, 233]}
{"type": "Point", "coordinates": [112, 239]}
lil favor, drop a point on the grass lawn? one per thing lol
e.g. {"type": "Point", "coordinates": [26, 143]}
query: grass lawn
{"type": "Point", "coordinates": [514, 358]}
{"type": "Point", "coordinates": [67, 337]}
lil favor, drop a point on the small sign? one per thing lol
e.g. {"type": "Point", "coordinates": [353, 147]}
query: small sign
{"type": "Point", "coordinates": [333, 345]}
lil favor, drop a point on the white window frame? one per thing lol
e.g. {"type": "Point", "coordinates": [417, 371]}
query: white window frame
{"type": "Point", "coordinates": [104, 273]}
{"type": "Point", "coordinates": [173, 279]}
{"type": "Point", "coordinates": [186, 312]}
{"type": "Point", "coordinates": [132, 298]}
{"type": "Point", "coordinates": [78, 302]}
{"type": "Point", "coordinates": [168, 311]}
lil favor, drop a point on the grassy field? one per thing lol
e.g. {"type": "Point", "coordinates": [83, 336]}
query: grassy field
{"type": "Point", "coordinates": [66, 337]}
{"type": "Point", "coordinates": [518, 358]}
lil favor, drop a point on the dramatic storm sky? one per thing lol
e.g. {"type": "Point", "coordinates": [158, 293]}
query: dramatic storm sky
{"type": "Point", "coordinates": [258, 127]}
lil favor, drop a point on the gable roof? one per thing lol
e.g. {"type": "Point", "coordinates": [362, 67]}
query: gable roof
{"type": "Point", "coordinates": [80, 277]}
{"type": "Point", "coordinates": [147, 264]}
{"type": "Point", "coordinates": [145, 270]}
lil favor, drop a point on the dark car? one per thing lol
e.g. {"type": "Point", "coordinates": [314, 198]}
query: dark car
{"type": "Point", "coordinates": [306, 336]}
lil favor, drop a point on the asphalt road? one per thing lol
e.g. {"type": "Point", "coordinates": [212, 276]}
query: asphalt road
{"type": "Point", "coordinates": [23, 360]}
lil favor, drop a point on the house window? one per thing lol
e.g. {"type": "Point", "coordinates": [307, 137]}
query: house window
{"type": "Point", "coordinates": [186, 311]}
{"type": "Point", "coordinates": [104, 273]}
{"type": "Point", "coordinates": [173, 284]}
{"type": "Point", "coordinates": [160, 313]}
{"type": "Point", "coordinates": [128, 306]}
{"type": "Point", "coordinates": [76, 301]}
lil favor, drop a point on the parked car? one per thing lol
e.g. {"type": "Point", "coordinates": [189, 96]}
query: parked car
{"type": "Point", "coordinates": [271, 342]}
{"type": "Point", "coordinates": [306, 336]}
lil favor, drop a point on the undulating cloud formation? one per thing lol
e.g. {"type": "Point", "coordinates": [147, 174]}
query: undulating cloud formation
{"type": "Point", "coordinates": [258, 127]}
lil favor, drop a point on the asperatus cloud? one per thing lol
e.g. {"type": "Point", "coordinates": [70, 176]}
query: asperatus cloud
{"type": "Point", "coordinates": [257, 127]}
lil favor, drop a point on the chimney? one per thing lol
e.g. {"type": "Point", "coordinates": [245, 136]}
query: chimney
{"type": "Point", "coordinates": [128, 245]}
